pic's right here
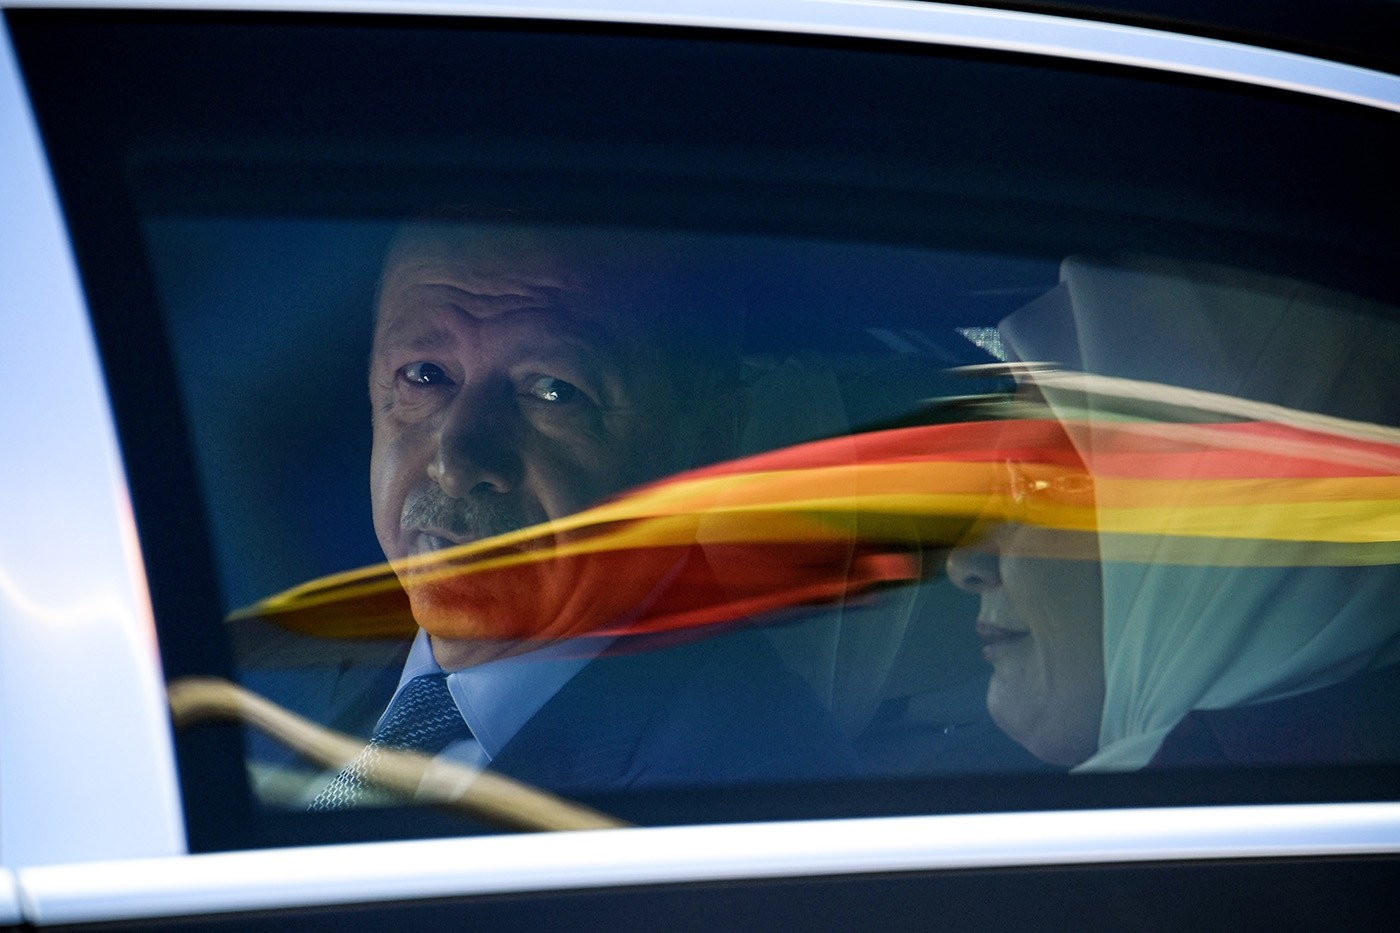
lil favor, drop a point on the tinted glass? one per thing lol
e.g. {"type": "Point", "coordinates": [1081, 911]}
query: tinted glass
{"type": "Point", "coordinates": [704, 426]}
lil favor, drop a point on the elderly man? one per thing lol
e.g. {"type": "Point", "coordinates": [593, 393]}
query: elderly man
{"type": "Point", "coordinates": [519, 376]}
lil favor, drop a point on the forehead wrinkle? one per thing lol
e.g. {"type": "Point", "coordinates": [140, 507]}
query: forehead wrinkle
{"type": "Point", "coordinates": [496, 298]}
{"type": "Point", "coordinates": [411, 332]}
{"type": "Point", "coordinates": [434, 341]}
{"type": "Point", "coordinates": [567, 307]}
{"type": "Point", "coordinates": [486, 274]}
{"type": "Point", "coordinates": [425, 289]}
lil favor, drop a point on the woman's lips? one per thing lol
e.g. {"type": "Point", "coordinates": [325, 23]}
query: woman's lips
{"type": "Point", "coordinates": [996, 638]}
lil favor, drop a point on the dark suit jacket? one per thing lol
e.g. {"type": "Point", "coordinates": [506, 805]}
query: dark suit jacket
{"type": "Point", "coordinates": [713, 711]}
{"type": "Point", "coordinates": [721, 710]}
{"type": "Point", "coordinates": [1353, 722]}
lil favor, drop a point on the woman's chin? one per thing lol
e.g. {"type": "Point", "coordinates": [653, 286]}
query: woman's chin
{"type": "Point", "coordinates": [1059, 738]}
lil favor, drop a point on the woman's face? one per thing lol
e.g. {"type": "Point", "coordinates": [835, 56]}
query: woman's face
{"type": "Point", "coordinates": [1041, 627]}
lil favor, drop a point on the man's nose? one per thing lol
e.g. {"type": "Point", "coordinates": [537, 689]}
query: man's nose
{"type": "Point", "coordinates": [477, 445]}
{"type": "Point", "coordinates": [975, 568]}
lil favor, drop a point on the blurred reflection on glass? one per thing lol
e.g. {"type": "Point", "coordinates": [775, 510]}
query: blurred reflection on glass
{"type": "Point", "coordinates": [1181, 528]}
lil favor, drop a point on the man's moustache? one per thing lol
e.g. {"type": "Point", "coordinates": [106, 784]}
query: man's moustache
{"type": "Point", "coordinates": [481, 515]}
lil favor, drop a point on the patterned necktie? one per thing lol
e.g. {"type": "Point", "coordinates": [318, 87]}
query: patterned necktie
{"type": "Point", "coordinates": [422, 718]}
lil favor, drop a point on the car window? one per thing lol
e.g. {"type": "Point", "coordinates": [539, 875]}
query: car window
{"type": "Point", "coordinates": [681, 426]}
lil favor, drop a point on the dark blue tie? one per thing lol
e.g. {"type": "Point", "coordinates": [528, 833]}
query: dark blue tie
{"type": "Point", "coordinates": [422, 718]}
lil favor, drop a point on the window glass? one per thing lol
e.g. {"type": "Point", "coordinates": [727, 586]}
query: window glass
{"type": "Point", "coordinates": [646, 439]}
{"type": "Point", "coordinates": [694, 427]}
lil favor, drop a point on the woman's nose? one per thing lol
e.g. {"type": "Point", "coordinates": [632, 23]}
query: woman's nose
{"type": "Point", "coordinates": [975, 568]}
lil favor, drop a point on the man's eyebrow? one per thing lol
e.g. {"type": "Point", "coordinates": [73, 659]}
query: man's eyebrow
{"type": "Point", "coordinates": [588, 333]}
{"type": "Point", "coordinates": [414, 336]}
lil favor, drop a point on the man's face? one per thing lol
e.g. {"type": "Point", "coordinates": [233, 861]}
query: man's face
{"type": "Point", "coordinates": [509, 387]}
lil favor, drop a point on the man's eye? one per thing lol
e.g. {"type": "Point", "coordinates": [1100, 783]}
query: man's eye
{"type": "Point", "coordinates": [549, 389]}
{"type": "Point", "coordinates": [424, 373]}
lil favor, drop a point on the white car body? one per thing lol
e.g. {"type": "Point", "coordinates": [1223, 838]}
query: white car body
{"type": "Point", "coordinates": [91, 827]}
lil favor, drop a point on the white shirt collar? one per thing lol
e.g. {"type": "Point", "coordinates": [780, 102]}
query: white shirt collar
{"type": "Point", "coordinates": [497, 698]}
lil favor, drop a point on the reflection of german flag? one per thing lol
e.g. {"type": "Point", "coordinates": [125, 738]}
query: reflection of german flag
{"type": "Point", "coordinates": [824, 521]}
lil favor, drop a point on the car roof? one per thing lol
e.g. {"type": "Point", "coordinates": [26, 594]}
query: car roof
{"type": "Point", "coordinates": [1361, 32]}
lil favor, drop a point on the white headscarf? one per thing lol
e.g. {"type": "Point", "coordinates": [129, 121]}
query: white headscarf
{"type": "Point", "coordinates": [1179, 638]}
